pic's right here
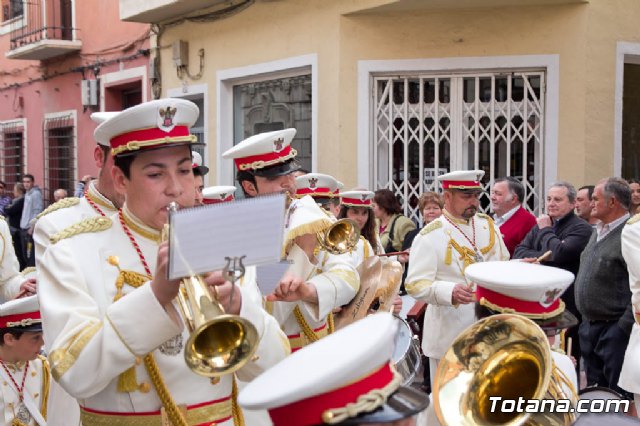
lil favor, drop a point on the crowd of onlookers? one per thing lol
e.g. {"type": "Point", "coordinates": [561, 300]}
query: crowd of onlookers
{"type": "Point", "coordinates": [20, 211]}
{"type": "Point", "coordinates": [580, 232]}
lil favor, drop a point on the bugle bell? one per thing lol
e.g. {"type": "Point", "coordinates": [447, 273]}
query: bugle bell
{"type": "Point", "coordinates": [219, 343]}
{"type": "Point", "coordinates": [341, 237]}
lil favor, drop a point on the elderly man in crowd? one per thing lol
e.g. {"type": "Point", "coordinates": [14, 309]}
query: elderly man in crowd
{"type": "Point", "coordinates": [602, 289]}
{"type": "Point", "coordinates": [514, 220]}
{"type": "Point", "coordinates": [565, 235]}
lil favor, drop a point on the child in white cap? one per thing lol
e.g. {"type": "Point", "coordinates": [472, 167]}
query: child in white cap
{"type": "Point", "coordinates": [24, 372]}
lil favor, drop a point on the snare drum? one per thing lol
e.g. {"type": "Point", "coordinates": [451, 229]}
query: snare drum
{"type": "Point", "coordinates": [406, 354]}
{"type": "Point", "coordinates": [602, 393]}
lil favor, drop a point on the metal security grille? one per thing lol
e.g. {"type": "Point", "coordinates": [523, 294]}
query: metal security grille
{"type": "Point", "coordinates": [427, 125]}
{"type": "Point", "coordinates": [12, 148]}
{"type": "Point", "coordinates": [59, 155]}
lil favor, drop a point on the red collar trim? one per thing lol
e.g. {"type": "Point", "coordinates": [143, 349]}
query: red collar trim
{"type": "Point", "coordinates": [148, 135]}
{"type": "Point", "coordinates": [308, 412]}
{"type": "Point", "coordinates": [270, 156]}
{"type": "Point", "coordinates": [34, 316]}
{"type": "Point", "coordinates": [519, 306]}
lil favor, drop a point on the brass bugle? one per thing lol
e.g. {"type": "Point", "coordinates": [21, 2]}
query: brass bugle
{"type": "Point", "coordinates": [219, 343]}
{"type": "Point", "coordinates": [341, 237]}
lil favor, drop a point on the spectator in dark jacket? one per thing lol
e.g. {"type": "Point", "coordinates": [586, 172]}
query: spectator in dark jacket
{"type": "Point", "coordinates": [13, 213]}
{"type": "Point", "coordinates": [5, 199]}
{"type": "Point", "coordinates": [565, 235]}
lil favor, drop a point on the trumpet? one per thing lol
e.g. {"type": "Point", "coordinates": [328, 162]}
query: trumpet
{"type": "Point", "coordinates": [219, 343]}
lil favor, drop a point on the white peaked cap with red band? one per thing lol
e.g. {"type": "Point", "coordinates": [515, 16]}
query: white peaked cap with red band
{"type": "Point", "coordinates": [101, 117]}
{"type": "Point", "coordinates": [532, 290]}
{"type": "Point", "coordinates": [23, 312]}
{"type": "Point", "coordinates": [150, 125]}
{"type": "Point", "coordinates": [305, 386]}
{"type": "Point", "coordinates": [462, 179]}
{"type": "Point", "coordinates": [218, 194]}
{"type": "Point", "coordinates": [357, 198]}
{"type": "Point", "coordinates": [316, 185]}
{"type": "Point", "coordinates": [263, 150]}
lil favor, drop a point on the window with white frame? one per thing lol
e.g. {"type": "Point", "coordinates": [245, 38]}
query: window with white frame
{"type": "Point", "coordinates": [12, 151]}
{"type": "Point", "coordinates": [59, 135]}
{"type": "Point", "coordinates": [425, 125]}
{"type": "Point", "coordinates": [275, 104]}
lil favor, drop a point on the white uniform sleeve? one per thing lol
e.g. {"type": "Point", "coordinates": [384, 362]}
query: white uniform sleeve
{"type": "Point", "coordinates": [631, 254]}
{"type": "Point", "coordinates": [423, 266]}
{"type": "Point", "coordinates": [336, 285]}
{"type": "Point", "coordinates": [87, 341]}
{"type": "Point", "coordinates": [10, 277]}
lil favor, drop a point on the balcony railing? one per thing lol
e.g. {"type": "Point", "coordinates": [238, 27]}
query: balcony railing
{"type": "Point", "coordinates": [46, 31]}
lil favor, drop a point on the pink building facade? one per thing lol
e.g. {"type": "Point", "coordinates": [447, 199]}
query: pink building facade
{"type": "Point", "coordinates": [61, 61]}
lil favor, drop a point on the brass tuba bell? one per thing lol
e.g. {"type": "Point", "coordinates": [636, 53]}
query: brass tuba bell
{"type": "Point", "coordinates": [504, 356]}
{"type": "Point", "coordinates": [219, 343]}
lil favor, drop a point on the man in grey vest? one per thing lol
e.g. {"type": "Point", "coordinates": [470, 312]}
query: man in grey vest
{"type": "Point", "coordinates": [602, 289]}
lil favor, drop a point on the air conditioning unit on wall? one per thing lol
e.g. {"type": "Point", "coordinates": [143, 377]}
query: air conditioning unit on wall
{"type": "Point", "coordinates": [89, 92]}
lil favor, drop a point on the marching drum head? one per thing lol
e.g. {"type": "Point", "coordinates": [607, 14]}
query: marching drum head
{"type": "Point", "coordinates": [406, 353]}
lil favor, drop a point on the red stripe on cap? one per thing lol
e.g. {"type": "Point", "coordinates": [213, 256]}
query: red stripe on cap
{"type": "Point", "coordinates": [308, 412]}
{"type": "Point", "coordinates": [467, 184]}
{"type": "Point", "coordinates": [356, 201]}
{"type": "Point", "coordinates": [270, 156]}
{"type": "Point", "coordinates": [217, 200]}
{"type": "Point", "coordinates": [148, 135]}
{"type": "Point", "coordinates": [312, 191]}
{"type": "Point", "coordinates": [19, 317]}
{"type": "Point", "coordinates": [518, 305]}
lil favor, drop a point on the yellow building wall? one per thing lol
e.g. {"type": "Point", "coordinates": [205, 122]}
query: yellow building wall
{"type": "Point", "coordinates": [341, 33]}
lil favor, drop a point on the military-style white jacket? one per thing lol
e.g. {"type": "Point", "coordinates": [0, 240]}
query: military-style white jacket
{"type": "Point", "coordinates": [97, 339]}
{"type": "Point", "coordinates": [36, 385]}
{"type": "Point", "coordinates": [67, 212]}
{"type": "Point", "coordinates": [334, 276]}
{"type": "Point", "coordinates": [437, 260]}
{"type": "Point", "coordinates": [630, 374]}
{"type": "Point", "coordinates": [63, 409]}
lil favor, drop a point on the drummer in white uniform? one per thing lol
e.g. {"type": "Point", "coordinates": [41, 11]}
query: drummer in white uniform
{"type": "Point", "coordinates": [439, 255]}
{"type": "Point", "coordinates": [361, 386]}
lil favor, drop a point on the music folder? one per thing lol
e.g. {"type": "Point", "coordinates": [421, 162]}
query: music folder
{"type": "Point", "coordinates": [202, 238]}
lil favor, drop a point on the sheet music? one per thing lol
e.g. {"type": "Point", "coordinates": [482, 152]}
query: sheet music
{"type": "Point", "coordinates": [202, 237]}
{"type": "Point", "coordinates": [268, 276]}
